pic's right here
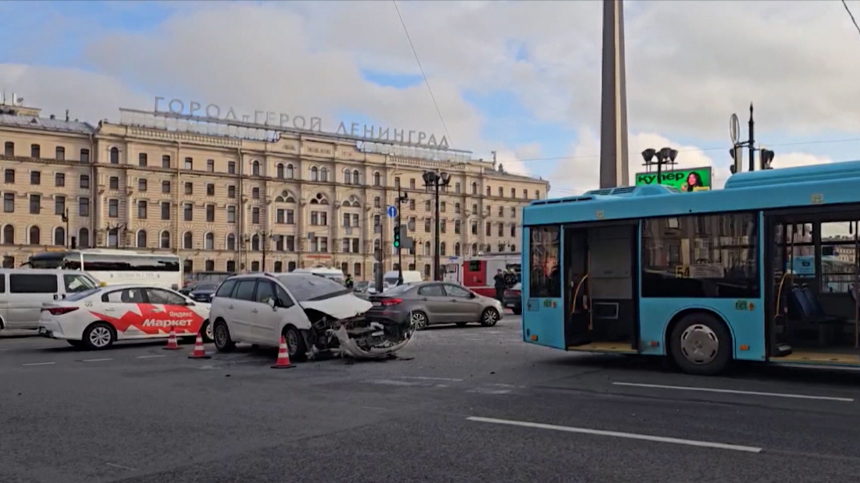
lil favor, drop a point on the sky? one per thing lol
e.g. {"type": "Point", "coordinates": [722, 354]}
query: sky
{"type": "Point", "coordinates": [518, 78]}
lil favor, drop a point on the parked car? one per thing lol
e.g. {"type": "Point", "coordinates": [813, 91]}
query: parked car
{"type": "Point", "coordinates": [430, 303]}
{"type": "Point", "coordinates": [203, 292]}
{"type": "Point", "coordinates": [24, 290]}
{"type": "Point", "coordinates": [313, 313]}
{"type": "Point", "coordinates": [98, 317]}
{"type": "Point", "coordinates": [514, 298]}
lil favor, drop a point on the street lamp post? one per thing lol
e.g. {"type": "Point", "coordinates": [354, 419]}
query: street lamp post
{"type": "Point", "coordinates": [663, 156]}
{"type": "Point", "coordinates": [436, 179]}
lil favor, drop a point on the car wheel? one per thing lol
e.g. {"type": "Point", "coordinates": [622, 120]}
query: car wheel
{"type": "Point", "coordinates": [207, 331]}
{"type": "Point", "coordinates": [701, 344]}
{"type": "Point", "coordinates": [418, 320]}
{"type": "Point", "coordinates": [99, 335]}
{"type": "Point", "coordinates": [296, 348]}
{"type": "Point", "coordinates": [489, 317]}
{"type": "Point", "coordinates": [221, 334]}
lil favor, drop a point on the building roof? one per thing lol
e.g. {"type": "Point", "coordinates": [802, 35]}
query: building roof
{"type": "Point", "coordinates": [46, 124]}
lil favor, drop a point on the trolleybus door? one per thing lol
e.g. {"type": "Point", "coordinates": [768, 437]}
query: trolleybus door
{"type": "Point", "coordinates": [577, 314]}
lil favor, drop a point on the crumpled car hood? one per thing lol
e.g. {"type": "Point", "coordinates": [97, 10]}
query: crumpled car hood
{"type": "Point", "coordinates": [340, 307]}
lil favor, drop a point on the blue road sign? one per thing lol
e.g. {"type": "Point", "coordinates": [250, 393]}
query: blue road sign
{"type": "Point", "coordinates": [392, 211]}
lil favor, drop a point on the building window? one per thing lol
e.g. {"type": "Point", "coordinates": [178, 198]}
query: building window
{"type": "Point", "coordinates": [141, 239]}
{"type": "Point", "coordinates": [324, 174]}
{"type": "Point", "coordinates": [165, 161]}
{"type": "Point", "coordinates": [141, 209]}
{"type": "Point", "coordinates": [231, 214]}
{"type": "Point", "coordinates": [291, 171]}
{"type": "Point", "coordinates": [35, 151]}
{"type": "Point", "coordinates": [142, 162]}
{"type": "Point", "coordinates": [514, 231]}
{"type": "Point", "coordinates": [209, 241]}
{"type": "Point", "coordinates": [35, 177]}
{"type": "Point", "coordinates": [231, 242]}
{"type": "Point", "coordinates": [165, 210]}
{"type": "Point", "coordinates": [347, 176]}
{"type": "Point", "coordinates": [231, 167]}
{"type": "Point", "coordinates": [711, 256]}
{"type": "Point", "coordinates": [209, 265]}
{"type": "Point", "coordinates": [35, 235]}
{"type": "Point", "coordinates": [427, 206]}
{"type": "Point", "coordinates": [83, 207]}
{"type": "Point", "coordinates": [188, 212]}
{"type": "Point", "coordinates": [231, 266]}
{"type": "Point", "coordinates": [231, 191]}
{"type": "Point", "coordinates": [255, 168]}
{"type": "Point", "coordinates": [280, 171]}
{"type": "Point", "coordinates": [84, 238]}
{"type": "Point", "coordinates": [113, 208]}
{"type": "Point", "coordinates": [544, 251]}
{"type": "Point", "coordinates": [165, 239]}
{"type": "Point", "coordinates": [165, 187]}
{"type": "Point", "coordinates": [188, 240]}
{"type": "Point", "coordinates": [60, 205]}
{"type": "Point", "coordinates": [210, 189]}
{"type": "Point", "coordinates": [189, 188]}
{"type": "Point", "coordinates": [457, 188]}
{"type": "Point", "coordinates": [8, 235]}
{"type": "Point", "coordinates": [113, 238]}
{"type": "Point", "coordinates": [279, 267]}
{"type": "Point", "coordinates": [113, 183]}
{"type": "Point", "coordinates": [427, 225]}
{"type": "Point", "coordinates": [60, 153]}
{"type": "Point", "coordinates": [9, 176]}
{"type": "Point", "coordinates": [457, 228]}
{"type": "Point", "coordinates": [85, 181]}
{"type": "Point", "coordinates": [35, 204]}
{"type": "Point", "coordinates": [9, 202]}
{"type": "Point", "coordinates": [59, 179]}
{"type": "Point", "coordinates": [210, 213]}
{"type": "Point", "coordinates": [255, 266]}
{"type": "Point", "coordinates": [9, 149]}
{"type": "Point", "coordinates": [255, 193]}
{"type": "Point", "coordinates": [141, 184]}
{"type": "Point", "coordinates": [189, 164]}
{"type": "Point", "coordinates": [210, 167]}
{"type": "Point", "coordinates": [255, 215]}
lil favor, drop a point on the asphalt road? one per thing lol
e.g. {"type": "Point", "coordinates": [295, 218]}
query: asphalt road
{"type": "Point", "coordinates": [464, 404]}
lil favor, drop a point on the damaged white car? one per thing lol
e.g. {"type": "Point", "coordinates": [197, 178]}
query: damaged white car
{"type": "Point", "coordinates": [315, 316]}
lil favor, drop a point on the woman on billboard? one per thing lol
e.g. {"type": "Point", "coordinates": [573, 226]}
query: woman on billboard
{"type": "Point", "coordinates": [694, 182]}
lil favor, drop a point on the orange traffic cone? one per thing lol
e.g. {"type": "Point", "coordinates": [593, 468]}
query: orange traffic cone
{"type": "Point", "coordinates": [283, 361]}
{"type": "Point", "coordinates": [172, 345]}
{"type": "Point", "coordinates": [199, 350]}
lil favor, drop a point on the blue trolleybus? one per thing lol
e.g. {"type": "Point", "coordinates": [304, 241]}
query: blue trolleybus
{"type": "Point", "coordinates": [762, 270]}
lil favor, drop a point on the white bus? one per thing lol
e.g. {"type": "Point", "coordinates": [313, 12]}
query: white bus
{"type": "Point", "coordinates": [114, 267]}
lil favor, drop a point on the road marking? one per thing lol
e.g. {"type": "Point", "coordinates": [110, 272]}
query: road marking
{"type": "Point", "coordinates": [732, 391]}
{"type": "Point", "coordinates": [39, 364]}
{"type": "Point", "coordinates": [120, 466]}
{"type": "Point", "coordinates": [616, 434]}
{"type": "Point", "coordinates": [149, 357]}
{"type": "Point", "coordinates": [420, 378]}
{"type": "Point", "coordinates": [97, 360]}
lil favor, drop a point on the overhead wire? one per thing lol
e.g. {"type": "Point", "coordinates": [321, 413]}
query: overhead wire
{"type": "Point", "coordinates": [421, 67]}
{"type": "Point", "coordinates": [853, 20]}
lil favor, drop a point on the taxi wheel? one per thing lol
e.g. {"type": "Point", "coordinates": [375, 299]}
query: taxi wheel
{"type": "Point", "coordinates": [207, 331]}
{"type": "Point", "coordinates": [99, 335]}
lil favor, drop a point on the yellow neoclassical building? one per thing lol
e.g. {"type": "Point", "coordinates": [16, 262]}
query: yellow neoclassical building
{"type": "Point", "coordinates": [234, 203]}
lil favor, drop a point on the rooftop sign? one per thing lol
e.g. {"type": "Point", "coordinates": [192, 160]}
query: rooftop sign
{"type": "Point", "coordinates": [269, 120]}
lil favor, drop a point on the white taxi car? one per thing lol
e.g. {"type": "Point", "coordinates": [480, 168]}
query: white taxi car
{"type": "Point", "coordinates": [98, 317]}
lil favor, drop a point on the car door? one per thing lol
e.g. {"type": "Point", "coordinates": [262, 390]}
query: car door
{"type": "Point", "coordinates": [169, 309]}
{"type": "Point", "coordinates": [238, 310]}
{"type": "Point", "coordinates": [464, 307]}
{"type": "Point", "coordinates": [27, 292]}
{"type": "Point", "coordinates": [265, 318]}
{"type": "Point", "coordinates": [122, 309]}
{"type": "Point", "coordinates": [432, 297]}
{"type": "Point", "coordinates": [4, 301]}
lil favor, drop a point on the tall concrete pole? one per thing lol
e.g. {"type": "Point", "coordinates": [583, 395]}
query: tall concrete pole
{"type": "Point", "coordinates": [614, 169]}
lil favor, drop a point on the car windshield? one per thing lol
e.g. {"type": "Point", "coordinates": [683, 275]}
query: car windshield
{"type": "Point", "coordinates": [209, 287]}
{"type": "Point", "coordinates": [310, 288]}
{"type": "Point", "coordinates": [82, 295]}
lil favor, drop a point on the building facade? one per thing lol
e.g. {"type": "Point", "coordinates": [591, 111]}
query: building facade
{"type": "Point", "coordinates": [234, 204]}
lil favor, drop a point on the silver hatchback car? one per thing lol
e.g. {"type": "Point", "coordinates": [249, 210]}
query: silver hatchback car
{"type": "Point", "coordinates": [432, 303]}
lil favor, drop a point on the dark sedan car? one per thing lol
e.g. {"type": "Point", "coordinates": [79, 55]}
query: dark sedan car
{"type": "Point", "coordinates": [431, 303]}
{"type": "Point", "coordinates": [203, 292]}
{"type": "Point", "coordinates": [514, 298]}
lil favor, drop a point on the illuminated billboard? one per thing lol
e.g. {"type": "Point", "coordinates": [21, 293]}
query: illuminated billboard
{"type": "Point", "coordinates": [694, 179]}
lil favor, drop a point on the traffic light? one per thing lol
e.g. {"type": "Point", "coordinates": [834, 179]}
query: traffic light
{"type": "Point", "coordinates": [396, 237]}
{"type": "Point", "coordinates": [765, 158]}
{"type": "Point", "coordinates": [737, 159]}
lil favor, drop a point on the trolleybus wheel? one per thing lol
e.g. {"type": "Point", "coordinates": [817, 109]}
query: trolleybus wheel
{"type": "Point", "coordinates": [701, 344]}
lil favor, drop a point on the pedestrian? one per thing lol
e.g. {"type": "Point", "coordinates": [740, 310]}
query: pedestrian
{"type": "Point", "coordinates": [500, 286]}
{"type": "Point", "coordinates": [349, 283]}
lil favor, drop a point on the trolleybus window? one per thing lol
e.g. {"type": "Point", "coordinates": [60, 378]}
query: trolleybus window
{"type": "Point", "coordinates": [703, 256]}
{"type": "Point", "coordinates": [544, 280]}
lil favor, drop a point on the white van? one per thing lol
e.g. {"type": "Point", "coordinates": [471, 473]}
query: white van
{"type": "Point", "coordinates": [24, 290]}
{"type": "Point", "coordinates": [329, 273]}
{"type": "Point", "coordinates": [409, 276]}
